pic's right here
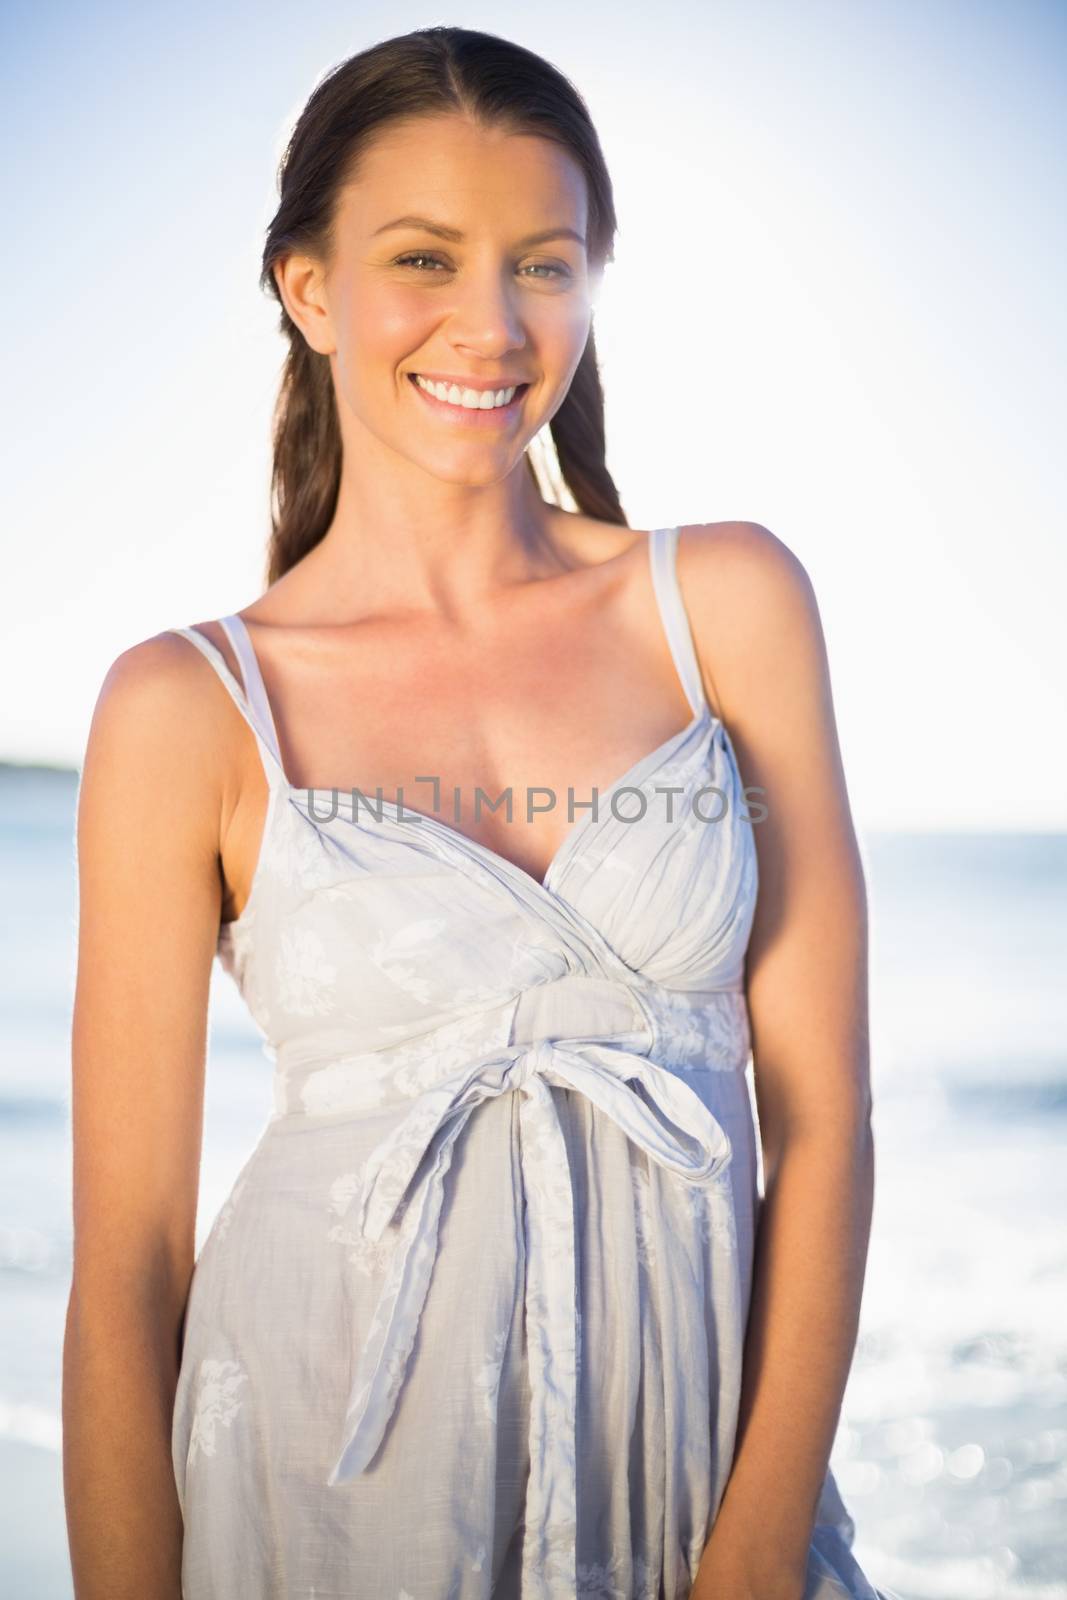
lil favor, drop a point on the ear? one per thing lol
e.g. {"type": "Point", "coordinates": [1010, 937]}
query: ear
{"type": "Point", "coordinates": [301, 284]}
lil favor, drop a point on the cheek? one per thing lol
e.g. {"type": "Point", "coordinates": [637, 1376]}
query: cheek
{"type": "Point", "coordinates": [402, 320]}
{"type": "Point", "coordinates": [562, 335]}
{"type": "Point", "coordinates": [384, 326]}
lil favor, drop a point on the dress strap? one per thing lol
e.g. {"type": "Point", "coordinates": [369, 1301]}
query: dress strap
{"type": "Point", "coordinates": [255, 688]}
{"type": "Point", "coordinates": [663, 550]}
{"type": "Point", "coordinates": [263, 729]}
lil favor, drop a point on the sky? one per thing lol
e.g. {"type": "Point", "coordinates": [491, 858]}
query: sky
{"type": "Point", "coordinates": [834, 310]}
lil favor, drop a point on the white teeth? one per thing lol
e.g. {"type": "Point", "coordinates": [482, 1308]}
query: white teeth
{"type": "Point", "coordinates": [470, 399]}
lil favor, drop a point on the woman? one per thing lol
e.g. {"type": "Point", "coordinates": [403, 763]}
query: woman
{"type": "Point", "coordinates": [472, 1319]}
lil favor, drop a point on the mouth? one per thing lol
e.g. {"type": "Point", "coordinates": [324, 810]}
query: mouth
{"type": "Point", "coordinates": [475, 413]}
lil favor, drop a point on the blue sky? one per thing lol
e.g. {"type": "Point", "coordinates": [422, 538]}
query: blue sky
{"type": "Point", "coordinates": [835, 309]}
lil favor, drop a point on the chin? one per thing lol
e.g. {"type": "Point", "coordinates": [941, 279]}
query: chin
{"type": "Point", "coordinates": [470, 474]}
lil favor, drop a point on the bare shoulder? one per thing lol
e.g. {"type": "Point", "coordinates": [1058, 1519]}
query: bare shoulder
{"type": "Point", "coordinates": [751, 607]}
{"type": "Point", "coordinates": [156, 749]}
{"type": "Point", "coordinates": [741, 548]}
{"type": "Point", "coordinates": [146, 688]}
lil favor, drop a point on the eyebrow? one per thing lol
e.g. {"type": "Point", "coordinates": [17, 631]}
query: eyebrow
{"type": "Point", "coordinates": [456, 236]}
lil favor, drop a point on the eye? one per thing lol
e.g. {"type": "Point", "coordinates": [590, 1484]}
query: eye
{"type": "Point", "coordinates": [544, 266]}
{"type": "Point", "coordinates": [421, 255]}
{"type": "Point", "coordinates": [417, 255]}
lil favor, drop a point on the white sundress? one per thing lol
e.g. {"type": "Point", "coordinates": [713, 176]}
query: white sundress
{"type": "Point", "coordinates": [470, 1322]}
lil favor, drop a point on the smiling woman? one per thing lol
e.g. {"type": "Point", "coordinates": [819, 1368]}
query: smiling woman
{"type": "Point", "coordinates": [442, 291]}
{"type": "Point", "coordinates": [475, 1318]}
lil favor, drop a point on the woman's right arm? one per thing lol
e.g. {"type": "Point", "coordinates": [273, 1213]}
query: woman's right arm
{"type": "Point", "coordinates": [150, 802]}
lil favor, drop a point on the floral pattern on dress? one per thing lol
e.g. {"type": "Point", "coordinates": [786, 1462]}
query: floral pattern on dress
{"type": "Point", "coordinates": [229, 1206]}
{"type": "Point", "coordinates": [217, 1403]}
{"type": "Point", "coordinates": [370, 1257]}
{"type": "Point", "coordinates": [398, 956]}
{"type": "Point", "coordinates": [456, 1043]}
{"type": "Point", "coordinates": [352, 1085]}
{"type": "Point", "coordinates": [304, 977]}
{"type": "Point", "coordinates": [302, 855]}
{"type": "Point", "coordinates": [712, 1208]}
{"type": "Point", "coordinates": [630, 1577]}
{"type": "Point", "coordinates": [694, 1032]}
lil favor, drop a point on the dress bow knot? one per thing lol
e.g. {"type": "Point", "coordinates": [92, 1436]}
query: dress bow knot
{"type": "Point", "coordinates": [403, 1184]}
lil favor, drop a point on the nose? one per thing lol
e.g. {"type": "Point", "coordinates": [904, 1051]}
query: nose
{"type": "Point", "coordinates": [486, 318]}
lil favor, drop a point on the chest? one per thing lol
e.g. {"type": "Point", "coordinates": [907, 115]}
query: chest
{"type": "Point", "coordinates": [503, 739]}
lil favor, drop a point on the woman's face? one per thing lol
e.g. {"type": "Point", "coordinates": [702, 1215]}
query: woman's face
{"type": "Point", "coordinates": [499, 295]}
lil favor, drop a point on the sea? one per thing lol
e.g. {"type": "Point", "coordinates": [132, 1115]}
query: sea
{"type": "Point", "coordinates": [951, 1453]}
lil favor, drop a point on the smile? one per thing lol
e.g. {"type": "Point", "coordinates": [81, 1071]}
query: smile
{"type": "Point", "coordinates": [472, 406]}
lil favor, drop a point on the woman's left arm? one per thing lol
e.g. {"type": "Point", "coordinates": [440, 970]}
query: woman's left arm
{"type": "Point", "coordinates": [755, 616]}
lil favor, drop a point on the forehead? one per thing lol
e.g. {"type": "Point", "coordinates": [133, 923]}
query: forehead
{"type": "Point", "coordinates": [475, 179]}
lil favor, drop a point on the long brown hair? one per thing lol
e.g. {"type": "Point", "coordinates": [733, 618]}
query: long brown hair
{"type": "Point", "coordinates": [443, 70]}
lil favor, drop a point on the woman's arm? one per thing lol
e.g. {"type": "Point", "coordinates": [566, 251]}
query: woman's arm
{"type": "Point", "coordinates": [755, 614]}
{"type": "Point", "coordinates": [149, 893]}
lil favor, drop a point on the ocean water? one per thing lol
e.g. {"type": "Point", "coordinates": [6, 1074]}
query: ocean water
{"type": "Point", "coordinates": [952, 1448]}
